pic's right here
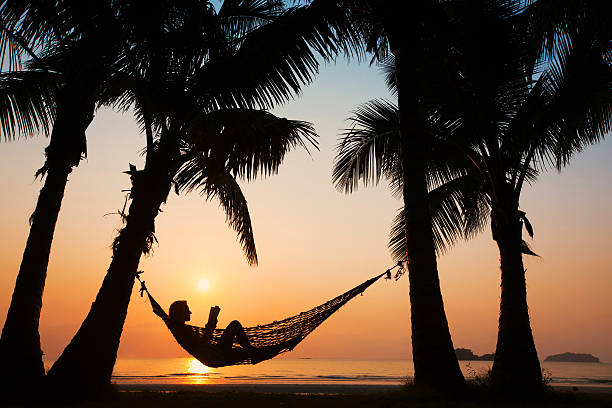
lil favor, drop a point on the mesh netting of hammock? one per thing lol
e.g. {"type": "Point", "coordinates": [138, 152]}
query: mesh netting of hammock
{"type": "Point", "coordinates": [277, 337]}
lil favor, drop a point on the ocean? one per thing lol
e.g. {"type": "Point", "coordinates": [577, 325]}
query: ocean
{"type": "Point", "coordinates": [188, 371]}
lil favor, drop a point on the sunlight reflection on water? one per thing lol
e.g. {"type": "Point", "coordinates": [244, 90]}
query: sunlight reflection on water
{"type": "Point", "coordinates": [200, 372]}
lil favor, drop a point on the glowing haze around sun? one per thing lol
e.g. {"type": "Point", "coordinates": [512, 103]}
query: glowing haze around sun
{"type": "Point", "coordinates": [203, 284]}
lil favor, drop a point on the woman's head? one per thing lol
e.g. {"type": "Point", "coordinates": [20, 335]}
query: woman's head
{"type": "Point", "coordinates": [179, 311]}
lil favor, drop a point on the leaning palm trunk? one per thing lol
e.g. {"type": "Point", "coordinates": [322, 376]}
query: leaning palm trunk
{"type": "Point", "coordinates": [20, 349]}
{"type": "Point", "coordinates": [87, 362]}
{"type": "Point", "coordinates": [516, 364]}
{"type": "Point", "coordinates": [433, 355]}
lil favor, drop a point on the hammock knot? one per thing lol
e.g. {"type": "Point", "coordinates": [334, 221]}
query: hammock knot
{"type": "Point", "coordinates": [400, 271]}
{"type": "Point", "coordinates": [143, 288]}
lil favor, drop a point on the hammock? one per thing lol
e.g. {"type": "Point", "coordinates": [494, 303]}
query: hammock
{"type": "Point", "coordinates": [276, 337]}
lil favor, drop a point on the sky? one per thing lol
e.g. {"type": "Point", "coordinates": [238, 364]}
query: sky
{"type": "Point", "coordinates": [313, 243]}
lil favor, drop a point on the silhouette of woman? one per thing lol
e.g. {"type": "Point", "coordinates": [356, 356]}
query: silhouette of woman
{"type": "Point", "coordinates": [179, 313]}
{"type": "Point", "coordinates": [199, 341]}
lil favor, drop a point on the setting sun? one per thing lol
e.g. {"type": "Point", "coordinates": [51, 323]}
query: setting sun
{"type": "Point", "coordinates": [195, 367]}
{"type": "Point", "coordinates": [203, 285]}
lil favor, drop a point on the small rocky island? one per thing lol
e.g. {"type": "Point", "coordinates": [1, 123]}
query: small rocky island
{"type": "Point", "coordinates": [573, 358]}
{"type": "Point", "coordinates": [464, 354]}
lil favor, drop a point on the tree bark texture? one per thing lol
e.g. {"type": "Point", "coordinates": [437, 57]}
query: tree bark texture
{"type": "Point", "coordinates": [516, 365]}
{"type": "Point", "coordinates": [20, 349]}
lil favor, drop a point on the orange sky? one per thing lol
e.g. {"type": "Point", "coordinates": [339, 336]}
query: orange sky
{"type": "Point", "coordinates": [313, 244]}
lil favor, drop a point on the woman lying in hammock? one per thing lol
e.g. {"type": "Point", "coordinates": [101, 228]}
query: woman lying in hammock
{"type": "Point", "coordinates": [231, 347]}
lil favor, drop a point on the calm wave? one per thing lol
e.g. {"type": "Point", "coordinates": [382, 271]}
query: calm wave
{"type": "Point", "coordinates": [319, 371]}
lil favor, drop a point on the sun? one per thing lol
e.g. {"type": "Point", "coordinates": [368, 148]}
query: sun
{"type": "Point", "coordinates": [195, 367]}
{"type": "Point", "coordinates": [203, 285]}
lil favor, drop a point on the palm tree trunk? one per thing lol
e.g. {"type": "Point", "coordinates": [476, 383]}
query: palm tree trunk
{"type": "Point", "coordinates": [516, 364]}
{"type": "Point", "coordinates": [20, 349]}
{"type": "Point", "coordinates": [87, 362]}
{"type": "Point", "coordinates": [435, 362]}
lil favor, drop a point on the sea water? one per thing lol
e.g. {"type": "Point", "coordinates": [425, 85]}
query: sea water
{"type": "Point", "coordinates": [319, 371]}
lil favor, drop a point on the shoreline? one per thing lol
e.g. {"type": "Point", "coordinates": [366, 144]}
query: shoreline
{"type": "Point", "coordinates": [322, 389]}
{"type": "Point", "coordinates": [310, 389]}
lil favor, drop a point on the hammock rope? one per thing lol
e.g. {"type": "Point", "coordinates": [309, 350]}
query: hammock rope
{"type": "Point", "coordinates": [280, 336]}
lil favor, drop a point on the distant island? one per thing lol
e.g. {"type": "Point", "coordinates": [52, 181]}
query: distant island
{"type": "Point", "coordinates": [467, 355]}
{"type": "Point", "coordinates": [573, 358]}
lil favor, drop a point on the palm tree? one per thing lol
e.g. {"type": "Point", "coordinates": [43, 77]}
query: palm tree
{"type": "Point", "coordinates": [416, 42]}
{"type": "Point", "coordinates": [199, 102]}
{"type": "Point", "coordinates": [513, 122]}
{"type": "Point", "coordinates": [69, 48]}
{"type": "Point", "coordinates": [536, 120]}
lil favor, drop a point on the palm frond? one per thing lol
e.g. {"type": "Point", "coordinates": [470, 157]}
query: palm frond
{"type": "Point", "coordinates": [227, 190]}
{"type": "Point", "coordinates": [25, 29]}
{"type": "Point", "coordinates": [216, 182]}
{"type": "Point", "coordinates": [281, 56]}
{"type": "Point", "coordinates": [12, 48]}
{"type": "Point", "coordinates": [27, 102]}
{"type": "Point", "coordinates": [397, 237]}
{"type": "Point", "coordinates": [249, 143]}
{"type": "Point", "coordinates": [370, 149]}
{"type": "Point", "coordinates": [526, 223]}
{"type": "Point", "coordinates": [580, 85]}
{"type": "Point", "coordinates": [459, 210]}
{"type": "Point", "coordinates": [526, 249]}
{"type": "Point", "coordinates": [388, 68]}
{"type": "Point", "coordinates": [555, 23]}
{"type": "Point", "coordinates": [240, 17]}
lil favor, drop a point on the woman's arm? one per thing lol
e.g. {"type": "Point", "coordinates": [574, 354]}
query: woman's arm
{"type": "Point", "coordinates": [157, 309]}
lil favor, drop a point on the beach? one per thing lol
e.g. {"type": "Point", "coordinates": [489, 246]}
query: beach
{"type": "Point", "coordinates": [338, 383]}
{"type": "Point", "coordinates": [311, 389]}
{"type": "Point", "coordinates": [319, 395]}
{"type": "Point", "coordinates": [301, 395]}
{"type": "Point", "coordinates": [309, 382]}
{"type": "Point", "coordinates": [323, 375]}
{"type": "Point", "coordinates": [329, 382]}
